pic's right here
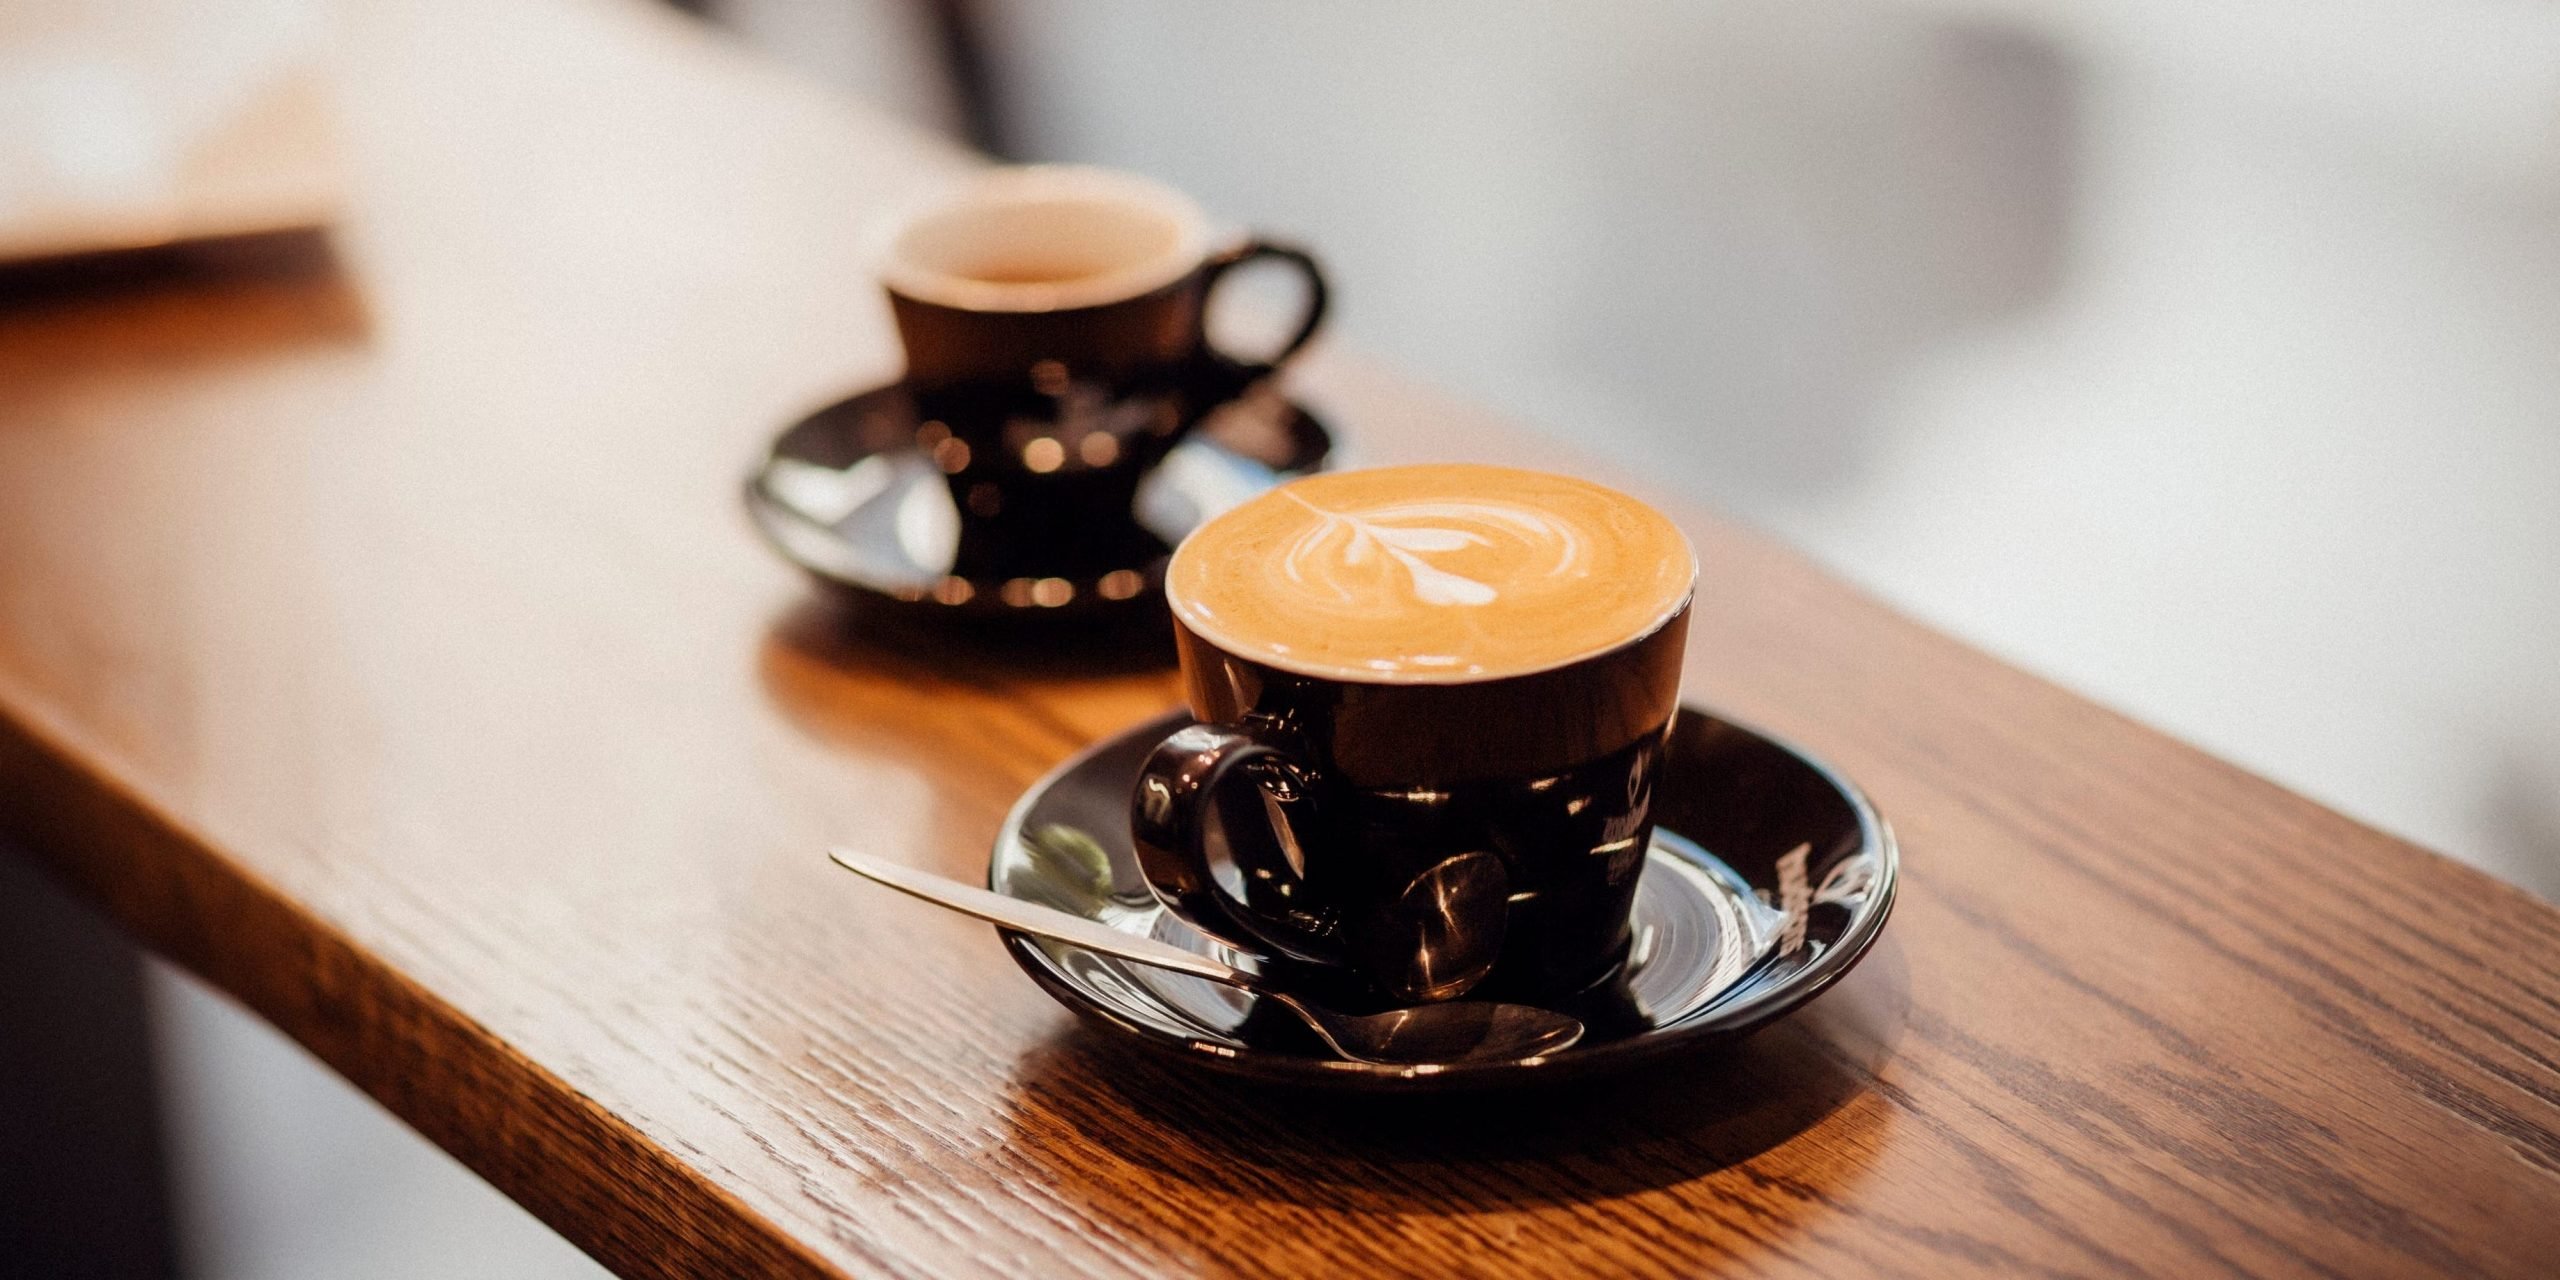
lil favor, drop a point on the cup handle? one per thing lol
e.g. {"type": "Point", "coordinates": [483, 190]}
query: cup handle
{"type": "Point", "coordinates": [1252, 251]}
{"type": "Point", "coordinates": [1171, 816]}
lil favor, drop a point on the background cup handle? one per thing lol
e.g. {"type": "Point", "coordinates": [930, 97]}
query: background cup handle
{"type": "Point", "coordinates": [1172, 814]}
{"type": "Point", "coordinates": [1252, 251]}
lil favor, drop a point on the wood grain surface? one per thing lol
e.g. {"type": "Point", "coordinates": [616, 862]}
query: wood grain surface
{"type": "Point", "coordinates": [385, 644]}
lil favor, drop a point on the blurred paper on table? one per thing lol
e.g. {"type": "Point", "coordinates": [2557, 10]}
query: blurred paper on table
{"type": "Point", "coordinates": [131, 124]}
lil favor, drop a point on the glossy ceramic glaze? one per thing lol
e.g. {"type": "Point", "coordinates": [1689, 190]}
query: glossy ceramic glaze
{"type": "Point", "coordinates": [1713, 954]}
{"type": "Point", "coordinates": [1429, 837]}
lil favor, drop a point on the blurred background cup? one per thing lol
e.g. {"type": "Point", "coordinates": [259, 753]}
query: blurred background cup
{"type": "Point", "coordinates": [1084, 274]}
{"type": "Point", "coordinates": [1055, 325]}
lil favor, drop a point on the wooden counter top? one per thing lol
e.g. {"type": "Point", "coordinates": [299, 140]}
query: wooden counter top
{"type": "Point", "coordinates": [387, 645]}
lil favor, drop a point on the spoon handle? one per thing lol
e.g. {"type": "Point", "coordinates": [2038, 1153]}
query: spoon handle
{"type": "Point", "coordinates": [1031, 917]}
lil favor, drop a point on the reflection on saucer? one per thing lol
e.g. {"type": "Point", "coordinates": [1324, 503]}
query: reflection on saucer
{"type": "Point", "coordinates": [848, 495]}
{"type": "Point", "coordinates": [1768, 878]}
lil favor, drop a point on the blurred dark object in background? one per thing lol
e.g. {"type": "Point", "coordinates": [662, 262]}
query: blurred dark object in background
{"type": "Point", "coordinates": [278, 255]}
{"type": "Point", "coordinates": [81, 1185]}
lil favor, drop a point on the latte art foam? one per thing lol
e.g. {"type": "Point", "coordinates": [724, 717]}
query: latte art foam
{"type": "Point", "coordinates": [1437, 573]}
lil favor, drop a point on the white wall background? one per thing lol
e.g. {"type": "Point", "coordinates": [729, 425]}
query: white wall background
{"type": "Point", "coordinates": [2206, 358]}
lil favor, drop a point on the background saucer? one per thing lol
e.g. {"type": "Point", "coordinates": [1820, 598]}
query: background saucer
{"type": "Point", "coordinates": [1714, 955]}
{"type": "Point", "coordinates": [845, 494]}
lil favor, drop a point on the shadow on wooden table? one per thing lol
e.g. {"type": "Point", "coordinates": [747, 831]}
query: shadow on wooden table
{"type": "Point", "coordinates": [981, 717]}
{"type": "Point", "coordinates": [1809, 1077]}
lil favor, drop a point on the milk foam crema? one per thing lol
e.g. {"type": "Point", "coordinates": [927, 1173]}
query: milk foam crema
{"type": "Point", "coordinates": [1432, 574]}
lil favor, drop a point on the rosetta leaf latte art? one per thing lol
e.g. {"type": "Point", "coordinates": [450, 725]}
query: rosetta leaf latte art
{"type": "Point", "coordinates": [1438, 573]}
{"type": "Point", "coordinates": [1342, 545]}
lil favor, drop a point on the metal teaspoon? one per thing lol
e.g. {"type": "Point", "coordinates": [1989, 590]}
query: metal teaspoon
{"type": "Point", "coordinates": [1465, 1031]}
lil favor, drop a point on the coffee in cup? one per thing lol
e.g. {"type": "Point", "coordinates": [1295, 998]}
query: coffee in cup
{"type": "Point", "coordinates": [1432, 700]}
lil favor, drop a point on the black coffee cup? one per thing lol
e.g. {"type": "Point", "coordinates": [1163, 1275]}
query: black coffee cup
{"type": "Point", "coordinates": [1432, 838]}
{"type": "Point", "coordinates": [1083, 275]}
{"type": "Point", "coordinates": [1055, 325]}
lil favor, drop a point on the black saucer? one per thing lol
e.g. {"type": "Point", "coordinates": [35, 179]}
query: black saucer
{"type": "Point", "coordinates": [846, 494]}
{"type": "Point", "coordinates": [1714, 955]}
